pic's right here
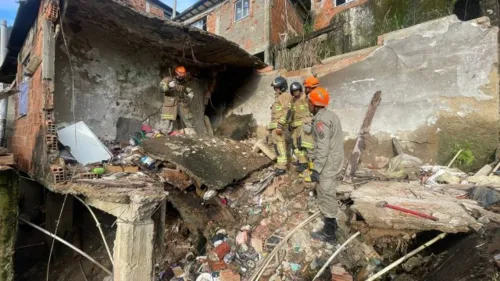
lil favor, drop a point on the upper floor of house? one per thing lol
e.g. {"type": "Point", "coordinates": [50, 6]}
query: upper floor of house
{"type": "Point", "coordinates": [155, 7]}
{"type": "Point", "coordinates": [253, 24]}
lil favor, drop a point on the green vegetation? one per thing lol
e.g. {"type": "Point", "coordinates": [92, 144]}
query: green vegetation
{"type": "Point", "coordinates": [466, 157]}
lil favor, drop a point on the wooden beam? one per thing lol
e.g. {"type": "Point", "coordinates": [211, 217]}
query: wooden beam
{"type": "Point", "coordinates": [352, 166]}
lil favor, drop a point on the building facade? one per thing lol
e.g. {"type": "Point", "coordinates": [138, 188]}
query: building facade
{"type": "Point", "coordinates": [255, 25]}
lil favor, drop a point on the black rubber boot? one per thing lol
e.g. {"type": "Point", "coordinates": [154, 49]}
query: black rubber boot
{"type": "Point", "coordinates": [327, 234]}
{"type": "Point", "coordinates": [302, 167]}
{"type": "Point", "coordinates": [279, 172]}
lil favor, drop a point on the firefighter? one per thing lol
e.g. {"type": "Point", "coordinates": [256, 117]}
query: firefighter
{"type": "Point", "coordinates": [178, 94]}
{"type": "Point", "coordinates": [310, 83]}
{"type": "Point", "coordinates": [328, 160]}
{"type": "Point", "coordinates": [280, 115]}
{"type": "Point", "coordinates": [301, 127]}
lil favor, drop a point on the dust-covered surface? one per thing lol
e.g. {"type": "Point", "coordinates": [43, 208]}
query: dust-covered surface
{"type": "Point", "coordinates": [452, 216]}
{"type": "Point", "coordinates": [235, 126]}
{"type": "Point", "coordinates": [142, 191]}
{"type": "Point", "coordinates": [211, 161]}
{"type": "Point", "coordinates": [150, 31]}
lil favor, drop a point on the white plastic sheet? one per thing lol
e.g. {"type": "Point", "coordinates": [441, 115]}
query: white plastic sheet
{"type": "Point", "coordinates": [83, 143]}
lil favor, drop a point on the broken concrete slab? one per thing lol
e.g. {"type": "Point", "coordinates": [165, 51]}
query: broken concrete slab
{"type": "Point", "coordinates": [235, 126]}
{"type": "Point", "coordinates": [196, 214]}
{"type": "Point", "coordinates": [452, 216]}
{"type": "Point", "coordinates": [211, 161]}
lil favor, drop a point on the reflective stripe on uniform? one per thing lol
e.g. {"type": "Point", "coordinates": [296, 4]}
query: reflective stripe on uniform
{"type": "Point", "coordinates": [283, 120]}
{"type": "Point", "coordinates": [307, 145]}
{"type": "Point", "coordinates": [297, 123]}
{"type": "Point", "coordinates": [272, 126]}
{"type": "Point", "coordinates": [299, 152]}
{"type": "Point", "coordinates": [167, 117]}
{"type": "Point", "coordinates": [303, 107]}
{"type": "Point", "coordinates": [279, 107]}
{"type": "Point", "coordinates": [281, 159]}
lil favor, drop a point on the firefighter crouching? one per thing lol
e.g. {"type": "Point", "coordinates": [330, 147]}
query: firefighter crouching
{"type": "Point", "coordinates": [178, 94]}
{"type": "Point", "coordinates": [301, 128]}
{"type": "Point", "coordinates": [280, 115]}
{"type": "Point", "coordinates": [328, 160]}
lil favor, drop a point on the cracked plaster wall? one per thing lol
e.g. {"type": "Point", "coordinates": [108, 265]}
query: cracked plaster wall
{"type": "Point", "coordinates": [439, 83]}
{"type": "Point", "coordinates": [112, 78]}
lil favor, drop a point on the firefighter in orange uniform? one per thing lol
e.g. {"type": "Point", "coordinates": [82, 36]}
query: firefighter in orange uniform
{"type": "Point", "coordinates": [178, 94]}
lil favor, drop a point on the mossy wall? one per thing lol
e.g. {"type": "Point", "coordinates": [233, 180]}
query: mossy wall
{"type": "Point", "coordinates": [360, 26]}
{"type": "Point", "coordinates": [8, 222]}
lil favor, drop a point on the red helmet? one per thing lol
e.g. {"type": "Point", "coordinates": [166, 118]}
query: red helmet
{"type": "Point", "coordinates": [319, 97]}
{"type": "Point", "coordinates": [181, 71]}
{"type": "Point", "coordinates": [311, 82]}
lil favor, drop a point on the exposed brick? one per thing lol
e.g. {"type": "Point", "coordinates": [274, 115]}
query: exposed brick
{"type": "Point", "coordinates": [58, 173]}
{"type": "Point", "coordinates": [51, 128]}
{"type": "Point", "coordinates": [280, 10]}
{"type": "Point", "coordinates": [51, 142]}
{"type": "Point", "coordinates": [87, 176]}
{"type": "Point", "coordinates": [326, 10]}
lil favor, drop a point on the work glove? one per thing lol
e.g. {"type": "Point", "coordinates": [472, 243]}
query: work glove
{"type": "Point", "coordinates": [314, 176]}
{"type": "Point", "coordinates": [279, 130]}
{"type": "Point", "coordinates": [171, 84]}
{"type": "Point", "coordinates": [190, 95]}
{"type": "Point", "coordinates": [307, 127]}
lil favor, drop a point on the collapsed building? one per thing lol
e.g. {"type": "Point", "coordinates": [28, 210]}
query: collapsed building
{"type": "Point", "coordinates": [87, 75]}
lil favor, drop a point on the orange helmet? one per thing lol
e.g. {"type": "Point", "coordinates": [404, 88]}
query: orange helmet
{"type": "Point", "coordinates": [311, 82]}
{"type": "Point", "coordinates": [181, 71]}
{"type": "Point", "coordinates": [319, 97]}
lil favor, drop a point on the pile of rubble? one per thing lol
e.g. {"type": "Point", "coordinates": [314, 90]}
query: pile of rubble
{"type": "Point", "coordinates": [236, 221]}
{"type": "Point", "coordinates": [261, 241]}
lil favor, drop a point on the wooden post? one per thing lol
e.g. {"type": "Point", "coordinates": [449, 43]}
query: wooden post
{"type": "Point", "coordinates": [352, 166]}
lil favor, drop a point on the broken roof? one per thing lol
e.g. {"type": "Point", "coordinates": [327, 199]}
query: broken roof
{"type": "Point", "coordinates": [176, 40]}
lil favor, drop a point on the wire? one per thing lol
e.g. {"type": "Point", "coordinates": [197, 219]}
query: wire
{"type": "Point", "coordinates": [98, 224]}
{"type": "Point", "coordinates": [54, 238]}
{"type": "Point", "coordinates": [67, 244]}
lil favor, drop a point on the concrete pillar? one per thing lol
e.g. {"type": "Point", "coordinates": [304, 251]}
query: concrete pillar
{"type": "Point", "coordinates": [8, 222]}
{"type": "Point", "coordinates": [133, 250]}
{"type": "Point", "coordinates": [134, 241]}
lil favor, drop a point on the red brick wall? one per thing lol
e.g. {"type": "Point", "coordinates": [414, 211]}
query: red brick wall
{"type": "Point", "coordinates": [140, 5]}
{"type": "Point", "coordinates": [211, 22]}
{"type": "Point", "coordinates": [27, 129]}
{"type": "Point", "coordinates": [279, 20]}
{"type": "Point", "coordinates": [325, 10]}
{"type": "Point", "coordinates": [157, 11]}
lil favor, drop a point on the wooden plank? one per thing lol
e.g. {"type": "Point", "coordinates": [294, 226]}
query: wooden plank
{"type": "Point", "coordinates": [352, 166]}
